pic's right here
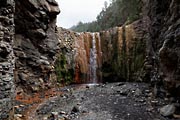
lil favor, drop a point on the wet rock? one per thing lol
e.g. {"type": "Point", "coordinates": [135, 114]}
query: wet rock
{"type": "Point", "coordinates": [167, 110]}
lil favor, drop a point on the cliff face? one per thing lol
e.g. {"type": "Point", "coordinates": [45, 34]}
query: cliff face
{"type": "Point", "coordinates": [164, 43]}
{"type": "Point", "coordinates": [114, 55]}
{"type": "Point", "coordinates": [88, 58]}
{"type": "Point", "coordinates": [35, 43]}
{"type": "Point", "coordinates": [64, 65]}
{"type": "Point", "coordinates": [6, 58]}
{"type": "Point", "coordinates": [75, 65]}
{"type": "Point", "coordinates": [123, 52]}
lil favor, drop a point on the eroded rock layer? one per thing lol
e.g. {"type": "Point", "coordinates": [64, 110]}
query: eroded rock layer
{"type": "Point", "coordinates": [164, 43]}
{"type": "Point", "coordinates": [36, 43]}
{"type": "Point", "coordinates": [6, 58]}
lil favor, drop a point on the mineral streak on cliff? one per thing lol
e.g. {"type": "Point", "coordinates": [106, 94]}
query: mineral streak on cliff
{"type": "Point", "coordinates": [123, 52]}
{"type": "Point", "coordinates": [114, 55]}
{"type": "Point", "coordinates": [87, 57]}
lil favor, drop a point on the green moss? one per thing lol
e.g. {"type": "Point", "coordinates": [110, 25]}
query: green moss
{"type": "Point", "coordinates": [64, 75]}
{"type": "Point", "coordinates": [138, 56]}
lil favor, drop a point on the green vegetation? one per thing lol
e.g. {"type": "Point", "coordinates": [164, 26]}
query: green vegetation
{"type": "Point", "coordinates": [119, 12]}
{"type": "Point", "coordinates": [64, 75]}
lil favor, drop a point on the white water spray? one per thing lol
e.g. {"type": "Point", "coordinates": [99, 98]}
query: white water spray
{"type": "Point", "coordinates": [93, 60]}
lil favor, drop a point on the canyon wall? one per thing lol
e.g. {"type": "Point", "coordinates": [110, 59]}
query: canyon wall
{"type": "Point", "coordinates": [29, 44]}
{"type": "Point", "coordinates": [64, 66]}
{"type": "Point", "coordinates": [113, 55]}
{"type": "Point", "coordinates": [7, 8]}
{"type": "Point", "coordinates": [36, 44]}
{"type": "Point", "coordinates": [146, 50]}
{"type": "Point", "coordinates": [123, 52]}
{"type": "Point", "coordinates": [42, 54]}
{"type": "Point", "coordinates": [163, 45]}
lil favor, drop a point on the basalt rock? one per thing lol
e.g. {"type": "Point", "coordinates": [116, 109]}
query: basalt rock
{"type": "Point", "coordinates": [123, 52]}
{"type": "Point", "coordinates": [164, 43]}
{"type": "Point", "coordinates": [6, 58]}
{"type": "Point", "coordinates": [36, 43]}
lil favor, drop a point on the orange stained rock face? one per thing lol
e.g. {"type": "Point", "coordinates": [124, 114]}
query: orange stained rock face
{"type": "Point", "coordinates": [37, 97]}
{"type": "Point", "coordinates": [77, 74]}
{"type": "Point", "coordinates": [83, 46]}
{"type": "Point", "coordinates": [34, 100]}
{"type": "Point", "coordinates": [130, 37]}
{"type": "Point", "coordinates": [99, 51]}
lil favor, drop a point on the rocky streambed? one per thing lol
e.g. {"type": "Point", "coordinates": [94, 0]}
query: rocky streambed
{"type": "Point", "coordinates": [113, 101]}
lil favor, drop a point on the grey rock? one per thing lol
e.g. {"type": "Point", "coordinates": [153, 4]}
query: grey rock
{"type": "Point", "coordinates": [36, 42]}
{"type": "Point", "coordinates": [167, 110]}
{"type": "Point", "coordinates": [38, 33]}
{"type": "Point", "coordinates": [137, 92]}
{"type": "Point", "coordinates": [163, 48]}
{"type": "Point", "coordinates": [6, 58]}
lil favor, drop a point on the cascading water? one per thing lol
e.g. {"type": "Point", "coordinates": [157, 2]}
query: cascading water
{"type": "Point", "coordinates": [93, 60]}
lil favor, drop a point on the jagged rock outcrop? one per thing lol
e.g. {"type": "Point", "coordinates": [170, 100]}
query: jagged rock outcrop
{"type": "Point", "coordinates": [164, 43]}
{"type": "Point", "coordinates": [36, 43]}
{"type": "Point", "coordinates": [6, 58]}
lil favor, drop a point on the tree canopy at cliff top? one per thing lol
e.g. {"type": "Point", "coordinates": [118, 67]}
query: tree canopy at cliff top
{"type": "Point", "coordinates": [119, 12]}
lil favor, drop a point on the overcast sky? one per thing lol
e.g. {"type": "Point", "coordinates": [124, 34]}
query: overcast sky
{"type": "Point", "coordinates": [73, 11]}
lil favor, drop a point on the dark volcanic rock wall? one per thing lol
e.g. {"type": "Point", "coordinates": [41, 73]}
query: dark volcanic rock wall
{"type": "Point", "coordinates": [123, 52]}
{"type": "Point", "coordinates": [6, 58]}
{"type": "Point", "coordinates": [164, 43]}
{"type": "Point", "coordinates": [36, 43]}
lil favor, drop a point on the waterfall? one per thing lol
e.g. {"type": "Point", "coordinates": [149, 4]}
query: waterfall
{"type": "Point", "coordinates": [88, 58]}
{"type": "Point", "coordinates": [99, 59]}
{"type": "Point", "coordinates": [93, 60]}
